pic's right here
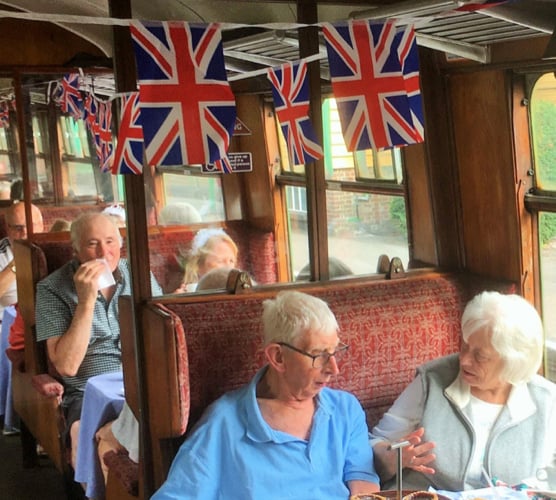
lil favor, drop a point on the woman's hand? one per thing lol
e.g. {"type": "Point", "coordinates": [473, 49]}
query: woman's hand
{"type": "Point", "coordinates": [417, 456]}
{"type": "Point", "coordinates": [419, 453]}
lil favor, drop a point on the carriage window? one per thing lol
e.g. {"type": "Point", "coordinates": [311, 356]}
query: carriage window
{"type": "Point", "coordinates": [201, 192]}
{"type": "Point", "coordinates": [543, 120]}
{"type": "Point", "coordinates": [543, 114]}
{"type": "Point", "coordinates": [63, 167]}
{"type": "Point", "coordinates": [547, 226]}
{"type": "Point", "coordinates": [10, 168]}
{"type": "Point", "coordinates": [365, 204]}
{"type": "Point", "coordinates": [77, 164]}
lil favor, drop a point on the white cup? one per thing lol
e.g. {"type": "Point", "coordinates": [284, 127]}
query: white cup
{"type": "Point", "coordinates": [106, 278]}
{"type": "Point", "coordinates": [547, 474]}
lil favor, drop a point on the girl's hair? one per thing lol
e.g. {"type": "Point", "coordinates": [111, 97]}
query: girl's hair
{"type": "Point", "coordinates": [201, 247]}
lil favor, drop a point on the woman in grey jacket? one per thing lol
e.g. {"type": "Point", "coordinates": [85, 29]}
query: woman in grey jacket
{"type": "Point", "coordinates": [482, 411]}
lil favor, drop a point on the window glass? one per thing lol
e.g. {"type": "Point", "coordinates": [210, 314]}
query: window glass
{"type": "Point", "coordinates": [364, 201]}
{"type": "Point", "coordinates": [202, 192]}
{"type": "Point", "coordinates": [543, 119]}
{"type": "Point", "coordinates": [296, 207]}
{"type": "Point", "coordinates": [361, 227]}
{"type": "Point", "coordinates": [40, 161]}
{"type": "Point", "coordinates": [10, 168]}
{"type": "Point", "coordinates": [543, 123]}
{"type": "Point", "coordinates": [547, 235]}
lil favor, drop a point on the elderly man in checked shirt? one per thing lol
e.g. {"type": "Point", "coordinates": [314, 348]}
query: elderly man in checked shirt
{"type": "Point", "coordinates": [79, 320]}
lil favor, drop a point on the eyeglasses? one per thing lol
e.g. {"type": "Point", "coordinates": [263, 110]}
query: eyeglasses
{"type": "Point", "coordinates": [19, 228]}
{"type": "Point", "coordinates": [322, 359]}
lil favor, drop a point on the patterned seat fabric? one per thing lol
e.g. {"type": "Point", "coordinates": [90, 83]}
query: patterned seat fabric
{"type": "Point", "coordinates": [391, 327]}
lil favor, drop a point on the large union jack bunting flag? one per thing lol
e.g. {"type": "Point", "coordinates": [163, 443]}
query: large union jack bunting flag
{"type": "Point", "coordinates": [408, 54]}
{"type": "Point", "coordinates": [291, 101]}
{"type": "Point", "coordinates": [128, 155]}
{"type": "Point", "coordinates": [187, 107]}
{"type": "Point", "coordinates": [368, 85]}
{"type": "Point", "coordinates": [69, 97]}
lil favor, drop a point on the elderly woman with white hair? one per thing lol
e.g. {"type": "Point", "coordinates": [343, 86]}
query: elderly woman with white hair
{"type": "Point", "coordinates": [483, 412]}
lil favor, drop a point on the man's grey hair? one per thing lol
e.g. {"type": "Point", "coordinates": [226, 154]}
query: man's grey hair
{"type": "Point", "coordinates": [82, 221]}
{"type": "Point", "coordinates": [292, 314]}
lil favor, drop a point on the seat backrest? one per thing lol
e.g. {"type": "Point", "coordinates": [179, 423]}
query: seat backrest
{"type": "Point", "coordinates": [34, 261]}
{"type": "Point", "coordinates": [31, 268]}
{"type": "Point", "coordinates": [391, 326]}
{"type": "Point", "coordinates": [166, 371]}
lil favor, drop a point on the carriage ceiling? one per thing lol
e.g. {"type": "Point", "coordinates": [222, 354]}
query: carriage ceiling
{"type": "Point", "coordinates": [269, 39]}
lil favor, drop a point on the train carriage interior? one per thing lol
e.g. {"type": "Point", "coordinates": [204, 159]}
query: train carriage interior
{"type": "Point", "coordinates": [469, 203]}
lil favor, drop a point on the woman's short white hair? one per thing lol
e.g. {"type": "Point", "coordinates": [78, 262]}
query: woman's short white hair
{"type": "Point", "coordinates": [291, 314]}
{"type": "Point", "coordinates": [515, 329]}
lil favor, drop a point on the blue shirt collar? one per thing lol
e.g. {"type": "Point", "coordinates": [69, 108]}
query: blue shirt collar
{"type": "Point", "coordinates": [257, 428]}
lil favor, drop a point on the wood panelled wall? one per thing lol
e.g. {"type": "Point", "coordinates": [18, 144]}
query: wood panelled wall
{"type": "Point", "coordinates": [482, 132]}
{"type": "Point", "coordinates": [477, 159]}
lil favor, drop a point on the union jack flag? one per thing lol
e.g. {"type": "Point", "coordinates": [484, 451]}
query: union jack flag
{"type": "Point", "coordinates": [223, 165]}
{"type": "Point", "coordinates": [128, 155]}
{"type": "Point", "coordinates": [368, 84]}
{"type": "Point", "coordinates": [470, 7]}
{"type": "Point", "coordinates": [187, 107]}
{"type": "Point", "coordinates": [4, 115]}
{"type": "Point", "coordinates": [90, 111]}
{"type": "Point", "coordinates": [69, 97]}
{"type": "Point", "coordinates": [103, 135]}
{"type": "Point", "coordinates": [290, 91]}
{"type": "Point", "coordinates": [408, 54]}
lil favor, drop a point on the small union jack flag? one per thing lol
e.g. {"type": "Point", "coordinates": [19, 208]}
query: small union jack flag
{"type": "Point", "coordinates": [223, 165]}
{"type": "Point", "coordinates": [103, 135]}
{"type": "Point", "coordinates": [90, 111]}
{"type": "Point", "coordinates": [69, 97]}
{"type": "Point", "coordinates": [409, 57]}
{"type": "Point", "coordinates": [290, 91]}
{"type": "Point", "coordinates": [4, 115]}
{"type": "Point", "coordinates": [187, 107]}
{"type": "Point", "coordinates": [368, 84]}
{"type": "Point", "coordinates": [128, 155]}
{"type": "Point", "coordinates": [470, 7]}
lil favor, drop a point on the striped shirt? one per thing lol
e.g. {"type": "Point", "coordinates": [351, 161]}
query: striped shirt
{"type": "Point", "coordinates": [55, 308]}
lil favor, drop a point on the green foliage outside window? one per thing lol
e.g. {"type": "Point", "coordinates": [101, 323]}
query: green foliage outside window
{"type": "Point", "coordinates": [544, 133]}
{"type": "Point", "coordinates": [547, 227]}
{"type": "Point", "coordinates": [397, 212]}
{"type": "Point", "coordinates": [544, 128]}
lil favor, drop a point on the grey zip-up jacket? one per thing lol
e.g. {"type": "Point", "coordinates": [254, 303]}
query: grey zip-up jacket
{"type": "Point", "coordinates": [522, 439]}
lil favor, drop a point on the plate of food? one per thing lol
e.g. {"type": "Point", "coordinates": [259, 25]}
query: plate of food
{"type": "Point", "coordinates": [406, 495]}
